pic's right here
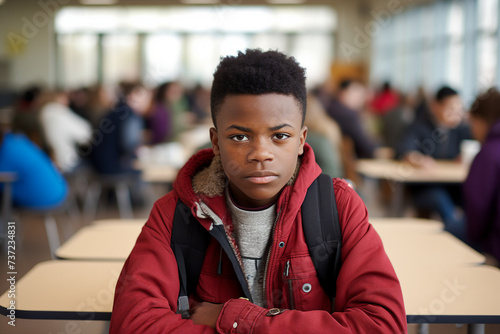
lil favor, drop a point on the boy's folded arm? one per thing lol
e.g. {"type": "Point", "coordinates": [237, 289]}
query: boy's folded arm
{"type": "Point", "coordinates": [146, 293]}
{"type": "Point", "coordinates": [368, 299]}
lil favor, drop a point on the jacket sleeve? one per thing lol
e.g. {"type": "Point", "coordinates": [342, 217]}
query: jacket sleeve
{"type": "Point", "coordinates": [148, 286]}
{"type": "Point", "coordinates": [368, 300]}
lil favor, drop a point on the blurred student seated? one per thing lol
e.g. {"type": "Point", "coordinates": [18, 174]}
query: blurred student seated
{"type": "Point", "coordinates": [99, 102]}
{"type": "Point", "coordinates": [120, 132]}
{"type": "Point", "coordinates": [481, 189]}
{"type": "Point", "coordinates": [438, 135]}
{"type": "Point", "coordinates": [169, 114]}
{"type": "Point", "coordinates": [385, 100]}
{"type": "Point", "coordinates": [64, 130]}
{"type": "Point", "coordinates": [345, 110]}
{"type": "Point", "coordinates": [394, 123]}
{"type": "Point", "coordinates": [160, 117]}
{"type": "Point", "coordinates": [38, 185]}
{"type": "Point", "coordinates": [324, 136]}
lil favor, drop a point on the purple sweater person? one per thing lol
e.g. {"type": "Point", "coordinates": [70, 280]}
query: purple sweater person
{"type": "Point", "coordinates": [482, 187]}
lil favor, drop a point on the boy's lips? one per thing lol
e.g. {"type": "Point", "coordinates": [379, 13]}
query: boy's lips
{"type": "Point", "coordinates": [261, 177]}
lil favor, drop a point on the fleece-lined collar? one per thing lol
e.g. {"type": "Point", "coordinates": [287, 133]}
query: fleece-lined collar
{"type": "Point", "coordinates": [202, 179]}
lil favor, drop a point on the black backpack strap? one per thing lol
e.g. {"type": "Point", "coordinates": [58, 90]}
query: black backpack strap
{"type": "Point", "coordinates": [189, 243]}
{"type": "Point", "coordinates": [320, 221]}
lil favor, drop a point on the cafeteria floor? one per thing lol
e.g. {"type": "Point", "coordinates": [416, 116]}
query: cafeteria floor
{"type": "Point", "coordinates": [32, 248]}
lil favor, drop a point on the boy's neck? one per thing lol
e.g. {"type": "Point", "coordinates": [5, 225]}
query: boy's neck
{"type": "Point", "coordinates": [247, 208]}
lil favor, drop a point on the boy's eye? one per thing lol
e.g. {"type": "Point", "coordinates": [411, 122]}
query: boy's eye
{"type": "Point", "coordinates": [281, 136]}
{"type": "Point", "coordinates": [239, 138]}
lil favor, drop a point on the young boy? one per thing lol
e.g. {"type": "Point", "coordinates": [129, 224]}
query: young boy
{"type": "Point", "coordinates": [250, 188]}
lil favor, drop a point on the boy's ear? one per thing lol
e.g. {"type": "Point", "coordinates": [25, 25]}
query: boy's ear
{"type": "Point", "coordinates": [302, 139]}
{"type": "Point", "coordinates": [215, 141]}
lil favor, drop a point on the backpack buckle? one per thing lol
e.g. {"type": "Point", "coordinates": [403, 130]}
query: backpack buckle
{"type": "Point", "coordinates": [183, 307]}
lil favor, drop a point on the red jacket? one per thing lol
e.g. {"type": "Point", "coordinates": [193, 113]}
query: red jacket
{"type": "Point", "coordinates": [368, 299]}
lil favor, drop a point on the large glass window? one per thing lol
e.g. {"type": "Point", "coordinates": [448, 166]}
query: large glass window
{"type": "Point", "coordinates": [186, 43]}
{"type": "Point", "coordinates": [487, 14]}
{"type": "Point", "coordinates": [120, 58]}
{"type": "Point", "coordinates": [452, 42]}
{"type": "Point", "coordinates": [81, 50]}
{"type": "Point", "coordinates": [455, 44]}
{"type": "Point", "coordinates": [163, 58]}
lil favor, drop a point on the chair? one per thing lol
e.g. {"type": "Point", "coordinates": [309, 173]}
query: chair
{"type": "Point", "coordinates": [120, 183]}
{"type": "Point", "coordinates": [6, 198]}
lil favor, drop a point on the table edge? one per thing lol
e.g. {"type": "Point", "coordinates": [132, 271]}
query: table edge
{"type": "Point", "coordinates": [57, 315]}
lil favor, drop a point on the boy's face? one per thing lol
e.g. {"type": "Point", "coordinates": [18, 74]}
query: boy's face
{"type": "Point", "coordinates": [258, 138]}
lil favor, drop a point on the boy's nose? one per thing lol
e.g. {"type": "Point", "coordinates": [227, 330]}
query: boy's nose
{"type": "Point", "coordinates": [260, 152]}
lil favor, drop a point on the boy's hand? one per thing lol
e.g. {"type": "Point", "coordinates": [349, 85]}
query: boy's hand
{"type": "Point", "coordinates": [206, 313]}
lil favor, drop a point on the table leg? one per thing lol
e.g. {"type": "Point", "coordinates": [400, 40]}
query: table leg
{"type": "Point", "coordinates": [397, 200]}
{"type": "Point", "coordinates": [423, 329]}
{"type": "Point", "coordinates": [6, 201]}
{"type": "Point", "coordinates": [5, 214]}
{"type": "Point", "coordinates": [475, 329]}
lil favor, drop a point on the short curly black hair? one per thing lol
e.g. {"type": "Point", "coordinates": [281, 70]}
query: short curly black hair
{"type": "Point", "coordinates": [258, 72]}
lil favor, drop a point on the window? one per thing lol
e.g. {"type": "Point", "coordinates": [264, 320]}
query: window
{"type": "Point", "coordinates": [78, 49]}
{"type": "Point", "coordinates": [121, 58]}
{"type": "Point", "coordinates": [158, 44]}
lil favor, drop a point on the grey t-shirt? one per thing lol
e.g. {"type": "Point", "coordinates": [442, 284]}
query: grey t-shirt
{"type": "Point", "coordinates": [252, 231]}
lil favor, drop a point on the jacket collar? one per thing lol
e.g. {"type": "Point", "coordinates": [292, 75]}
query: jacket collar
{"type": "Point", "coordinates": [202, 179]}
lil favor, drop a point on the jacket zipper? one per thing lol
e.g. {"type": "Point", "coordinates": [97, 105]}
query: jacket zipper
{"type": "Point", "coordinates": [269, 255]}
{"type": "Point", "coordinates": [217, 231]}
{"type": "Point", "coordinates": [286, 273]}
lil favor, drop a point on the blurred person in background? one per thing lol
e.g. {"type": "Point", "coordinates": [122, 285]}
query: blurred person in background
{"type": "Point", "coordinates": [29, 124]}
{"type": "Point", "coordinates": [394, 124]}
{"type": "Point", "coordinates": [100, 101]}
{"type": "Point", "coordinates": [121, 131]}
{"type": "Point", "coordinates": [78, 99]}
{"type": "Point", "coordinates": [325, 138]}
{"type": "Point", "coordinates": [64, 130]}
{"type": "Point", "coordinates": [169, 115]}
{"type": "Point", "coordinates": [438, 136]}
{"type": "Point", "coordinates": [481, 189]}
{"type": "Point", "coordinates": [161, 115]}
{"type": "Point", "coordinates": [119, 135]}
{"type": "Point", "coordinates": [38, 185]}
{"type": "Point", "coordinates": [27, 98]}
{"type": "Point", "coordinates": [199, 103]}
{"type": "Point", "coordinates": [345, 110]}
{"type": "Point", "coordinates": [385, 100]}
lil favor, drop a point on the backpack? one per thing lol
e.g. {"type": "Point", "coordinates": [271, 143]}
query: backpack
{"type": "Point", "coordinates": [321, 231]}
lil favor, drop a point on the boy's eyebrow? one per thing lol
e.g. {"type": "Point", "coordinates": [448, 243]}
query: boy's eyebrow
{"type": "Point", "coordinates": [240, 128]}
{"type": "Point", "coordinates": [274, 128]}
{"type": "Point", "coordinates": [243, 129]}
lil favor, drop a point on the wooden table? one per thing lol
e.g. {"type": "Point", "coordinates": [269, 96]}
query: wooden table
{"type": "Point", "coordinates": [76, 290]}
{"type": "Point", "coordinates": [434, 290]}
{"type": "Point", "coordinates": [424, 243]}
{"type": "Point", "coordinates": [451, 294]}
{"type": "Point", "coordinates": [442, 279]}
{"type": "Point", "coordinates": [153, 173]}
{"type": "Point", "coordinates": [398, 173]}
{"type": "Point", "coordinates": [106, 241]}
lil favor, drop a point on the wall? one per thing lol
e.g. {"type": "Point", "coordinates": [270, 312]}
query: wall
{"type": "Point", "coordinates": [27, 33]}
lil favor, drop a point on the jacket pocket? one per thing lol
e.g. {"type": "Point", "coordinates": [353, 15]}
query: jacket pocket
{"type": "Point", "coordinates": [301, 289]}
